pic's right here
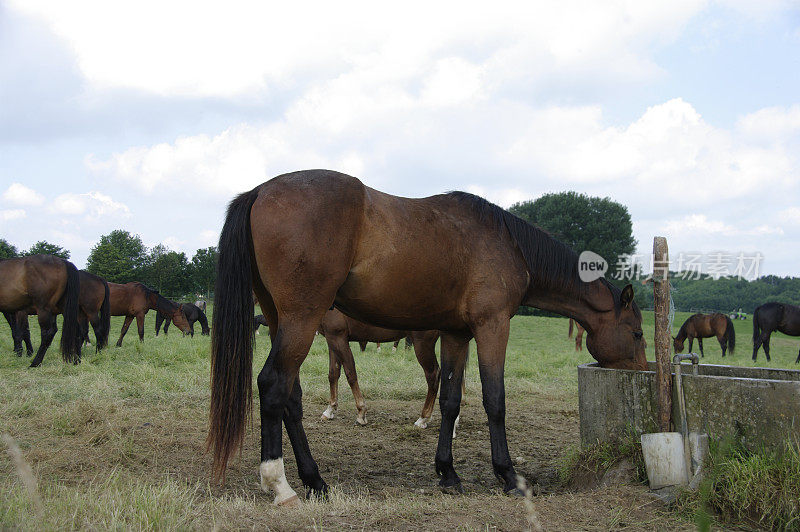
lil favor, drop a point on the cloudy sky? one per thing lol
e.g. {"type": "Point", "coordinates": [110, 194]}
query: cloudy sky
{"type": "Point", "coordinates": [150, 116]}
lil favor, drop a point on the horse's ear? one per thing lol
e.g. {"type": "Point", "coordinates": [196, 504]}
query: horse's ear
{"type": "Point", "coordinates": [626, 298]}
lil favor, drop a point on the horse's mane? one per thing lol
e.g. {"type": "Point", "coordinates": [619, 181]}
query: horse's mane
{"type": "Point", "coordinates": [162, 303]}
{"type": "Point", "coordinates": [682, 331]}
{"type": "Point", "coordinates": [551, 264]}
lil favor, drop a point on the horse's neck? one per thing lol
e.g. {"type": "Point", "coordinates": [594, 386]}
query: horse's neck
{"type": "Point", "coordinates": [582, 303]}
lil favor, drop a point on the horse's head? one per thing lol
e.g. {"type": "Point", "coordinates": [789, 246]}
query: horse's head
{"type": "Point", "coordinates": [614, 335]}
{"type": "Point", "coordinates": [677, 345]}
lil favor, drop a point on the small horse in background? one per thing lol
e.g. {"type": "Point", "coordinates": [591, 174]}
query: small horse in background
{"type": "Point", "coordinates": [201, 304]}
{"type": "Point", "coordinates": [339, 330]}
{"type": "Point", "coordinates": [363, 345]}
{"type": "Point", "coordinates": [51, 286]}
{"type": "Point", "coordinates": [705, 326]}
{"type": "Point", "coordinates": [193, 314]}
{"type": "Point", "coordinates": [134, 299]}
{"type": "Point", "coordinates": [773, 316]}
{"type": "Point", "coordinates": [258, 321]}
{"type": "Point", "coordinates": [23, 333]}
{"type": "Point", "coordinates": [578, 334]}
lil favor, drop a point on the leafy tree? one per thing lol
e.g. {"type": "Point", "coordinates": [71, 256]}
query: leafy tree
{"type": "Point", "coordinates": [203, 270]}
{"type": "Point", "coordinates": [583, 222]}
{"type": "Point", "coordinates": [167, 271]}
{"type": "Point", "coordinates": [118, 257]}
{"type": "Point", "coordinates": [7, 251]}
{"type": "Point", "coordinates": [43, 247]}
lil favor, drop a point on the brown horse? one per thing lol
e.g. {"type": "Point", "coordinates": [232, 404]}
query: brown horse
{"type": "Point", "coordinates": [705, 326]}
{"type": "Point", "coordinates": [773, 316]}
{"type": "Point", "coordinates": [23, 333]}
{"type": "Point", "coordinates": [454, 262]}
{"type": "Point", "coordinates": [51, 286]}
{"type": "Point", "coordinates": [339, 330]}
{"type": "Point", "coordinates": [93, 304]}
{"type": "Point", "coordinates": [193, 314]}
{"type": "Point", "coordinates": [578, 334]}
{"type": "Point", "coordinates": [134, 299]}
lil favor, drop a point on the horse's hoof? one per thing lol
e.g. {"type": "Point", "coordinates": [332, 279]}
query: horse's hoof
{"type": "Point", "coordinates": [361, 421]}
{"type": "Point", "coordinates": [328, 414]}
{"type": "Point", "coordinates": [291, 502]}
{"type": "Point", "coordinates": [514, 492]}
{"type": "Point", "coordinates": [455, 489]}
{"type": "Point", "coordinates": [421, 423]}
{"type": "Point", "coordinates": [320, 494]}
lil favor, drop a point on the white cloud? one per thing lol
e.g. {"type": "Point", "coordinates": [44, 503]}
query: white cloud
{"type": "Point", "coordinates": [93, 205]}
{"type": "Point", "coordinates": [247, 48]}
{"type": "Point", "coordinates": [19, 194]}
{"type": "Point", "coordinates": [12, 214]}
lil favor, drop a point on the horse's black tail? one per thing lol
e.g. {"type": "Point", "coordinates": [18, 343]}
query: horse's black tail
{"type": "Point", "coordinates": [232, 337]}
{"type": "Point", "coordinates": [201, 317]}
{"type": "Point", "coordinates": [730, 334]}
{"type": "Point", "coordinates": [756, 326]}
{"type": "Point", "coordinates": [105, 319]}
{"type": "Point", "coordinates": [571, 322]}
{"type": "Point", "coordinates": [71, 335]}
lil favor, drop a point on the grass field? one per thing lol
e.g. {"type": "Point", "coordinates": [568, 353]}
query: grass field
{"type": "Point", "coordinates": [118, 441]}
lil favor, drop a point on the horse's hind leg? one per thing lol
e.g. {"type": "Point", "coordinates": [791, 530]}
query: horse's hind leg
{"type": "Point", "coordinates": [125, 325]}
{"type": "Point", "coordinates": [765, 343]}
{"type": "Point", "coordinates": [275, 384]}
{"type": "Point", "coordinates": [454, 354]}
{"type": "Point", "coordinates": [424, 349]}
{"type": "Point", "coordinates": [306, 466]}
{"type": "Point", "coordinates": [345, 356]}
{"type": "Point", "coordinates": [11, 318]}
{"type": "Point", "coordinates": [700, 343]}
{"type": "Point", "coordinates": [48, 326]}
{"type": "Point", "coordinates": [334, 371]}
{"type": "Point", "coordinates": [492, 340]}
{"type": "Point", "coordinates": [723, 343]}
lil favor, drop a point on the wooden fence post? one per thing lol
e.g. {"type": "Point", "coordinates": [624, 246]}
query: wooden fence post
{"type": "Point", "coordinates": [663, 334]}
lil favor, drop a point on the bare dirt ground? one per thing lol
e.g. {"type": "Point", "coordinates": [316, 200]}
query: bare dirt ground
{"type": "Point", "coordinates": [382, 474]}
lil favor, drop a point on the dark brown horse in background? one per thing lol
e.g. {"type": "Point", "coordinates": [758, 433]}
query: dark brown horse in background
{"type": "Point", "coordinates": [93, 304]}
{"type": "Point", "coordinates": [578, 334]}
{"type": "Point", "coordinates": [457, 264]}
{"type": "Point", "coordinates": [773, 316]}
{"type": "Point", "coordinates": [339, 330]}
{"type": "Point", "coordinates": [705, 326]}
{"type": "Point", "coordinates": [193, 314]}
{"type": "Point", "coordinates": [134, 299]}
{"type": "Point", "coordinates": [51, 286]}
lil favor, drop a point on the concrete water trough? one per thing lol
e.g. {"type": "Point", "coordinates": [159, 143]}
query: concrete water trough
{"type": "Point", "coordinates": [761, 405]}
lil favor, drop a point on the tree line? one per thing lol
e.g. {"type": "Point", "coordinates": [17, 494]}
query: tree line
{"type": "Point", "coordinates": [121, 257]}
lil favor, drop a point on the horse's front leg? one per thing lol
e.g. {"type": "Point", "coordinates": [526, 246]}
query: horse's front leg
{"type": "Point", "coordinates": [492, 340]}
{"type": "Point", "coordinates": [700, 344]}
{"type": "Point", "coordinates": [275, 383]}
{"type": "Point", "coordinates": [454, 354]}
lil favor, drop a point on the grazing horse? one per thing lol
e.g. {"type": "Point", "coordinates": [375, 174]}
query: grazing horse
{"type": "Point", "coordinates": [93, 305]}
{"type": "Point", "coordinates": [453, 262]}
{"type": "Point", "coordinates": [578, 334]}
{"type": "Point", "coordinates": [193, 314]}
{"type": "Point", "coordinates": [51, 286]}
{"type": "Point", "coordinates": [339, 330]}
{"type": "Point", "coordinates": [134, 299]}
{"type": "Point", "coordinates": [705, 326]}
{"type": "Point", "coordinates": [774, 316]}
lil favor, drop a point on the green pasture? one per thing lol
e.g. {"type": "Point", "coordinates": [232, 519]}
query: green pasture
{"type": "Point", "coordinates": [66, 419]}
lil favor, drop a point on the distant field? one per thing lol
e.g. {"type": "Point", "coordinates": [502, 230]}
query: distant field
{"type": "Point", "coordinates": [118, 441]}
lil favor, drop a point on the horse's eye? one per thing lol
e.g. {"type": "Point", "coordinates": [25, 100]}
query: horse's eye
{"type": "Point", "coordinates": [638, 334]}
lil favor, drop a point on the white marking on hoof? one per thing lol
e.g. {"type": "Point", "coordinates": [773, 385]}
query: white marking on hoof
{"type": "Point", "coordinates": [329, 412]}
{"type": "Point", "coordinates": [273, 478]}
{"type": "Point", "coordinates": [378, 350]}
{"type": "Point", "coordinates": [394, 349]}
{"type": "Point", "coordinates": [455, 425]}
{"type": "Point", "coordinates": [422, 422]}
{"type": "Point", "coordinates": [361, 420]}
